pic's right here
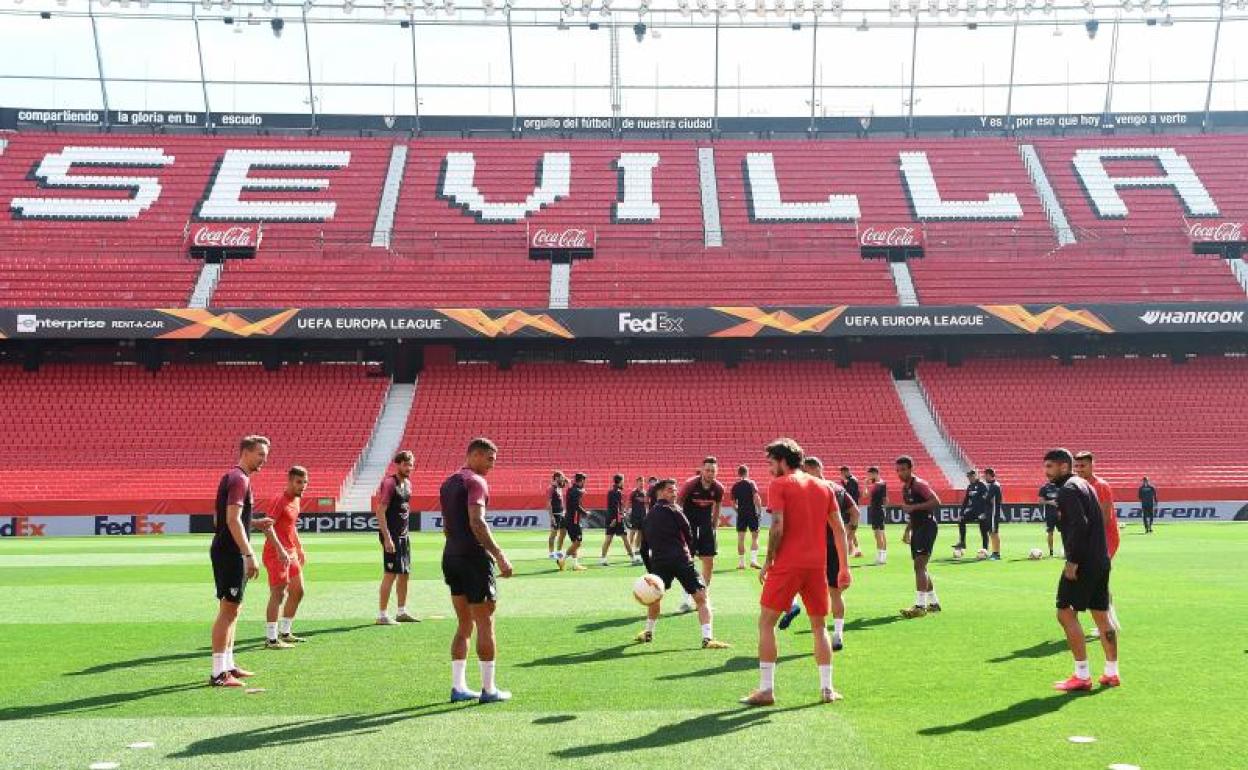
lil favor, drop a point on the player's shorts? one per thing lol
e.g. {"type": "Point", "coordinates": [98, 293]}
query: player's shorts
{"type": "Point", "coordinates": [573, 528]}
{"type": "Point", "coordinates": [991, 522]}
{"type": "Point", "coordinates": [616, 528]}
{"type": "Point", "coordinates": [923, 540]}
{"type": "Point", "coordinates": [811, 583]}
{"type": "Point", "coordinates": [556, 521]}
{"type": "Point", "coordinates": [279, 573]}
{"type": "Point", "coordinates": [834, 565]}
{"type": "Point", "coordinates": [747, 521]}
{"type": "Point", "coordinates": [230, 576]}
{"type": "Point", "coordinates": [876, 518]}
{"type": "Point", "coordinates": [704, 543]}
{"type": "Point", "coordinates": [399, 562]}
{"type": "Point", "coordinates": [1050, 518]}
{"type": "Point", "coordinates": [471, 577]}
{"type": "Point", "coordinates": [636, 520]}
{"type": "Point", "coordinates": [681, 572]}
{"type": "Point", "coordinates": [1089, 591]}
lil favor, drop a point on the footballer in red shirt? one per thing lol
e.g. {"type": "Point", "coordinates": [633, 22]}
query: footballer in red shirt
{"type": "Point", "coordinates": [1084, 469]}
{"type": "Point", "coordinates": [283, 561]}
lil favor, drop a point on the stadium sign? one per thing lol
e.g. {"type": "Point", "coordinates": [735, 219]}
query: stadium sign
{"type": "Point", "coordinates": [891, 236]}
{"type": "Point", "coordinates": [1215, 231]}
{"type": "Point", "coordinates": [86, 526]}
{"type": "Point", "coordinates": [561, 237]}
{"type": "Point", "coordinates": [226, 236]}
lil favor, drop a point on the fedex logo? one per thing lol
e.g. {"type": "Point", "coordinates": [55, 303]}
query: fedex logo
{"type": "Point", "coordinates": [20, 526]}
{"type": "Point", "coordinates": [655, 323]}
{"type": "Point", "coordinates": [128, 525]}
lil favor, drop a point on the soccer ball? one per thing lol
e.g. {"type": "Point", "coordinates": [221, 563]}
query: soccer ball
{"type": "Point", "coordinates": [981, 554]}
{"type": "Point", "coordinates": [1035, 553]}
{"type": "Point", "coordinates": [648, 589]}
{"type": "Point", "coordinates": [957, 553]}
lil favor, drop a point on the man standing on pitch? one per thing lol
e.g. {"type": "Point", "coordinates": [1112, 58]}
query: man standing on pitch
{"type": "Point", "coordinates": [638, 504]}
{"type": "Point", "coordinates": [974, 504]}
{"type": "Point", "coordinates": [876, 514]}
{"type": "Point", "coordinates": [233, 561]}
{"type": "Point", "coordinates": [1084, 584]}
{"type": "Point", "coordinates": [615, 520]}
{"type": "Point", "coordinates": [701, 498]}
{"type": "Point", "coordinates": [1048, 498]}
{"type": "Point", "coordinates": [468, 560]}
{"type": "Point", "coordinates": [393, 511]}
{"type": "Point", "coordinates": [849, 482]}
{"type": "Point", "coordinates": [990, 525]}
{"type": "Point", "coordinates": [283, 561]}
{"type": "Point", "coordinates": [555, 507]}
{"type": "Point", "coordinates": [1148, 503]}
{"type": "Point", "coordinates": [922, 506]}
{"type": "Point", "coordinates": [572, 521]}
{"type": "Point", "coordinates": [747, 503]}
{"type": "Point", "coordinates": [1085, 469]}
{"type": "Point", "coordinates": [802, 510]}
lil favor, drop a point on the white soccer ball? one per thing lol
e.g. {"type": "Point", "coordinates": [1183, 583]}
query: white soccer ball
{"type": "Point", "coordinates": [981, 554]}
{"type": "Point", "coordinates": [957, 553]}
{"type": "Point", "coordinates": [648, 589]}
{"type": "Point", "coordinates": [1035, 553]}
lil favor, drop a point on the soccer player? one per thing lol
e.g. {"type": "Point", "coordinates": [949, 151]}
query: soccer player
{"type": "Point", "coordinates": [284, 560]}
{"type": "Point", "coordinates": [1085, 469]}
{"type": "Point", "coordinates": [974, 504]}
{"type": "Point", "coordinates": [803, 509]}
{"type": "Point", "coordinates": [1148, 503]}
{"type": "Point", "coordinates": [922, 505]}
{"type": "Point", "coordinates": [1084, 584]}
{"type": "Point", "coordinates": [572, 523]}
{"type": "Point", "coordinates": [1048, 498]}
{"type": "Point", "coordinates": [700, 499]}
{"type": "Point", "coordinates": [878, 491]}
{"type": "Point", "coordinates": [851, 486]}
{"type": "Point", "coordinates": [814, 467]}
{"type": "Point", "coordinates": [233, 561]}
{"type": "Point", "coordinates": [991, 523]}
{"type": "Point", "coordinates": [637, 507]}
{"type": "Point", "coordinates": [555, 507]}
{"type": "Point", "coordinates": [747, 502]}
{"type": "Point", "coordinates": [615, 520]}
{"type": "Point", "coordinates": [666, 539]}
{"type": "Point", "coordinates": [393, 510]}
{"type": "Point", "coordinates": [469, 557]}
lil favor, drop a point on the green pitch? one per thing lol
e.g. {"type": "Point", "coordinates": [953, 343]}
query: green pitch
{"type": "Point", "coordinates": [103, 643]}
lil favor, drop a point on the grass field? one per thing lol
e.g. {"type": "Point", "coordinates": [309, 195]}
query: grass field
{"type": "Point", "coordinates": [103, 643]}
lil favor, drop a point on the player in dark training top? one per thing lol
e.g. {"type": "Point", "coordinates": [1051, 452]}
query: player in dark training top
{"type": "Point", "coordinates": [555, 507]}
{"type": "Point", "coordinates": [1084, 584]}
{"type": "Point", "coordinates": [974, 505]}
{"type": "Point", "coordinates": [572, 522]}
{"type": "Point", "coordinates": [700, 499]}
{"type": "Point", "coordinates": [1148, 503]}
{"type": "Point", "coordinates": [849, 482]}
{"type": "Point", "coordinates": [469, 557]}
{"type": "Point", "coordinates": [922, 506]}
{"type": "Point", "coordinates": [233, 561]}
{"type": "Point", "coordinates": [877, 492]}
{"type": "Point", "coordinates": [991, 523]}
{"type": "Point", "coordinates": [393, 511]}
{"type": "Point", "coordinates": [747, 502]}
{"type": "Point", "coordinates": [1048, 498]}
{"type": "Point", "coordinates": [638, 504]}
{"type": "Point", "coordinates": [615, 520]}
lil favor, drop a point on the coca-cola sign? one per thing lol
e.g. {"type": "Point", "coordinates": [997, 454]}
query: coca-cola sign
{"type": "Point", "coordinates": [897, 236]}
{"type": "Point", "coordinates": [544, 237]}
{"type": "Point", "coordinates": [1207, 231]}
{"type": "Point", "coordinates": [225, 236]}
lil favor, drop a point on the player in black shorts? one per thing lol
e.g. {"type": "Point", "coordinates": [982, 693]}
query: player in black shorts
{"type": "Point", "coordinates": [573, 521]}
{"type": "Point", "coordinates": [747, 502]}
{"type": "Point", "coordinates": [974, 503]}
{"type": "Point", "coordinates": [1048, 499]}
{"type": "Point", "coordinates": [922, 506]}
{"type": "Point", "coordinates": [233, 561]}
{"type": "Point", "coordinates": [1084, 584]}
{"type": "Point", "coordinates": [877, 492]}
{"type": "Point", "coordinates": [638, 504]}
{"type": "Point", "coordinates": [1148, 503]}
{"type": "Point", "coordinates": [849, 482]}
{"type": "Point", "coordinates": [469, 557]}
{"type": "Point", "coordinates": [990, 525]}
{"type": "Point", "coordinates": [615, 520]}
{"type": "Point", "coordinates": [555, 507]}
{"type": "Point", "coordinates": [666, 537]}
{"type": "Point", "coordinates": [393, 512]}
{"type": "Point", "coordinates": [700, 498]}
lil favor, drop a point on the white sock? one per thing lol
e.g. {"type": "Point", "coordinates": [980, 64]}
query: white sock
{"type": "Point", "coordinates": [931, 598]}
{"type": "Point", "coordinates": [754, 555]}
{"type": "Point", "coordinates": [766, 676]}
{"type": "Point", "coordinates": [838, 626]}
{"type": "Point", "coordinates": [920, 598]}
{"type": "Point", "coordinates": [459, 675]}
{"type": "Point", "coordinates": [741, 560]}
{"type": "Point", "coordinates": [706, 631]}
{"type": "Point", "coordinates": [218, 663]}
{"type": "Point", "coordinates": [688, 599]}
{"type": "Point", "coordinates": [487, 675]}
{"type": "Point", "coordinates": [402, 609]}
{"type": "Point", "coordinates": [1111, 668]}
{"type": "Point", "coordinates": [825, 677]}
{"type": "Point", "coordinates": [883, 554]}
{"type": "Point", "coordinates": [382, 615]}
{"type": "Point", "coordinates": [1081, 669]}
{"type": "Point", "coordinates": [285, 625]}
{"type": "Point", "coordinates": [650, 624]}
{"type": "Point", "coordinates": [229, 659]}
{"type": "Point", "coordinates": [270, 631]}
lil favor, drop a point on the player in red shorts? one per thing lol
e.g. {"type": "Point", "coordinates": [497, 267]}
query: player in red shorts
{"type": "Point", "coordinates": [283, 561]}
{"type": "Point", "coordinates": [802, 509]}
{"type": "Point", "coordinates": [1084, 469]}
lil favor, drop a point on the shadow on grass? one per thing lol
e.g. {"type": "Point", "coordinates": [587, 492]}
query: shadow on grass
{"type": "Point", "coordinates": [1041, 650]}
{"type": "Point", "coordinates": [602, 625]}
{"type": "Point", "coordinates": [592, 656]}
{"type": "Point", "coordinates": [731, 666]}
{"type": "Point", "coordinates": [93, 703]}
{"type": "Point", "coordinates": [310, 731]}
{"type": "Point", "coordinates": [1018, 712]}
{"type": "Point", "coordinates": [556, 719]}
{"type": "Point", "coordinates": [860, 624]}
{"type": "Point", "coordinates": [201, 652]}
{"type": "Point", "coordinates": [695, 729]}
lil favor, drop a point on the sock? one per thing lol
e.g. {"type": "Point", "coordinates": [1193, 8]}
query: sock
{"type": "Point", "coordinates": [218, 663]}
{"type": "Point", "coordinates": [381, 615]}
{"type": "Point", "coordinates": [402, 610]}
{"type": "Point", "coordinates": [931, 598]}
{"type": "Point", "coordinates": [459, 675]}
{"type": "Point", "coordinates": [706, 631]}
{"type": "Point", "coordinates": [920, 598]}
{"type": "Point", "coordinates": [650, 624]}
{"type": "Point", "coordinates": [838, 626]}
{"type": "Point", "coordinates": [754, 555]}
{"type": "Point", "coordinates": [741, 560]}
{"type": "Point", "coordinates": [825, 677]}
{"type": "Point", "coordinates": [688, 599]}
{"type": "Point", "coordinates": [270, 631]}
{"type": "Point", "coordinates": [1111, 668]}
{"type": "Point", "coordinates": [229, 659]}
{"type": "Point", "coordinates": [284, 625]}
{"type": "Point", "coordinates": [487, 675]}
{"type": "Point", "coordinates": [766, 676]}
{"type": "Point", "coordinates": [1081, 669]}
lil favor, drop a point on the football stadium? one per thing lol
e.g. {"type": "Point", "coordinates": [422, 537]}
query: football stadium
{"type": "Point", "coordinates": [623, 383]}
